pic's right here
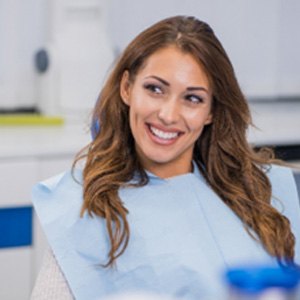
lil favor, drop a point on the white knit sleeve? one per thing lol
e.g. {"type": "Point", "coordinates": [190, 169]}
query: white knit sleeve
{"type": "Point", "coordinates": [51, 283]}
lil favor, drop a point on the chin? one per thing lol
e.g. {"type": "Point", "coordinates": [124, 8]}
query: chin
{"type": "Point", "coordinates": [159, 159]}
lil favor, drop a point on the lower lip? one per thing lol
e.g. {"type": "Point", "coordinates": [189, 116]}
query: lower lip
{"type": "Point", "coordinates": [157, 140]}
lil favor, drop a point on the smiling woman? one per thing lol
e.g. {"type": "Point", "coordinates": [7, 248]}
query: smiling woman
{"type": "Point", "coordinates": [171, 192]}
{"type": "Point", "coordinates": [170, 103]}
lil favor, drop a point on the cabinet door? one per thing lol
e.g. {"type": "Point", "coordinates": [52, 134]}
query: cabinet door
{"type": "Point", "coordinates": [17, 177]}
{"type": "Point", "coordinates": [15, 273]}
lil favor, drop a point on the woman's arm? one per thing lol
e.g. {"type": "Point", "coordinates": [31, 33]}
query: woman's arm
{"type": "Point", "coordinates": [51, 283]}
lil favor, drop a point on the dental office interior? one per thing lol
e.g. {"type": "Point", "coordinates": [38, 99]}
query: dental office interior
{"type": "Point", "coordinates": [54, 57]}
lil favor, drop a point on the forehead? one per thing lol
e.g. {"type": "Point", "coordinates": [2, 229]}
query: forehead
{"type": "Point", "coordinates": [173, 63]}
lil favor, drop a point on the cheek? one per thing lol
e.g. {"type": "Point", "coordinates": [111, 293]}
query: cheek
{"type": "Point", "coordinates": [141, 106]}
{"type": "Point", "coordinates": [137, 113]}
{"type": "Point", "coordinates": [196, 121]}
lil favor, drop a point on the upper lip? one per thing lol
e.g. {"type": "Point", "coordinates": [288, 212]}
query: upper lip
{"type": "Point", "coordinates": [164, 129]}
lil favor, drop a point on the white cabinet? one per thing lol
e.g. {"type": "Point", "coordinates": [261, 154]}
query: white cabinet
{"type": "Point", "coordinates": [27, 156]}
{"type": "Point", "coordinates": [22, 30]}
{"type": "Point", "coordinates": [20, 263]}
{"type": "Point", "coordinates": [16, 180]}
{"type": "Point", "coordinates": [15, 273]}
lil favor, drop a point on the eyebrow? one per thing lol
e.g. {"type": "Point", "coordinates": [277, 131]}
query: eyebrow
{"type": "Point", "coordinates": [160, 79]}
{"type": "Point", "coordinates": [191, 88]}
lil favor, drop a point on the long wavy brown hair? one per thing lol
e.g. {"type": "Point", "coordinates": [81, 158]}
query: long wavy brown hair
{"type": "Point", "coordinates": [229, 164]}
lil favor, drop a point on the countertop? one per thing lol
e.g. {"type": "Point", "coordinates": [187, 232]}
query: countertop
{"type": "Point", "coordinates": [34, 141]}
{"type": "Point", "coordinates": [278, 123]}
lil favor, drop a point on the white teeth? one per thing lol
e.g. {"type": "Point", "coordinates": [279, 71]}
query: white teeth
{"type": "Point", "coordinates": [162, 134]}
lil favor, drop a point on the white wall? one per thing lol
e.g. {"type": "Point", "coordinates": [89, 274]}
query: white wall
{"type": "Point", "coordinates": [261, 37]}
{"type": "Point", "coordinates": [289, 46]}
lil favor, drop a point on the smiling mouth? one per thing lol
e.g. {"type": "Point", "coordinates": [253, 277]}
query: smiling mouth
{"type": "Point", "coordinates": [164, 135]}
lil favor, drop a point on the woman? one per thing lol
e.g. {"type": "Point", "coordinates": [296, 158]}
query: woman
{"type": "Point", "coordinates": [172, 194]}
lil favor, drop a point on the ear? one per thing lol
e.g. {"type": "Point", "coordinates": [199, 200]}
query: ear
{"type": "Point", "coordinates": [125, 88]}
{"type": "Point", "coordinates": [209, 119]}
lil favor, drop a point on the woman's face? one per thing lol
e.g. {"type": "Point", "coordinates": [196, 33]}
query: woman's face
{"type": "Point", "coordinates": [170, 102]}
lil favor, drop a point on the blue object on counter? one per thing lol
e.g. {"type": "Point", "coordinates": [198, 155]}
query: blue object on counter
{"type": "Point", "coordinates": [254, 280]}
{"type": "Point", "coordinates": [15, 226]}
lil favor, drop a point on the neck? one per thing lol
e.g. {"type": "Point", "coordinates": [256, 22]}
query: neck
{"type": "Point", "coordinates": [167, 171]}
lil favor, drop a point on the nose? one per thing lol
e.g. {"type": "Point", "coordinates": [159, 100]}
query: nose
{"type": "Point", "coordinates": [169, 111]}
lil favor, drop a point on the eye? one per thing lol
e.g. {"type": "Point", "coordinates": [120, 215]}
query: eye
{"type": "Point", "coordinates": [194, 98]}
{"type": "Point", "coordinates": [153, 88]}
